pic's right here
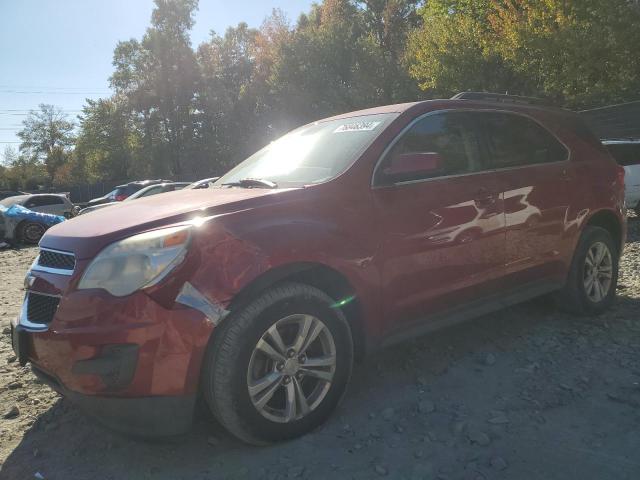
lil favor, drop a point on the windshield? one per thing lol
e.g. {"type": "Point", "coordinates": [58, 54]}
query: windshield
{"type": "Point", "coordinates": [311, 154]}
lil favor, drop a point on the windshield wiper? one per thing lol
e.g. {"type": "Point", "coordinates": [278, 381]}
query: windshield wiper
{"type": "Point", "coordinates": [252, 183]}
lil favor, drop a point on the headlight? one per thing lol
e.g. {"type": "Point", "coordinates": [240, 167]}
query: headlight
{"type": "Point", "coordinates": [136, 262]}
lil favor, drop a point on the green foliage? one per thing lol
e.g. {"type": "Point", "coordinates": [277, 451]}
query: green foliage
{"type": "Point", "coordinates": [583, 53]}
{"type": "Point", "coordinates": [108, 147]}
{"type": "Point", "coordinates": [159, 76]}
{"type": "Point", "coordinates": [46, 136]}
{"type": "Point", "coordinates": [20, 172]}
{"type": "Point", "coordinates": [579, 53]}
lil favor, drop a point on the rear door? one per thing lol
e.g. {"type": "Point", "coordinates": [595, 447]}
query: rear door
{"type": "Point", "coordinates": [443, 237]}
{"type": "Point", "coordinates": [534, 171]}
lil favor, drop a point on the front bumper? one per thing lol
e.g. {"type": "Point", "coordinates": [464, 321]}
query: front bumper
{"type": "Point", "coordinates": [142, 417]}
{"type": "Point", "coordinates": [131, 362]}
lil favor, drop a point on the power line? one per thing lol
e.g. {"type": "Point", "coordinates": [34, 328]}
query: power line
{"type": "Point", "coordinates": [27, 114]}
{"type": "Point", "coordinates": [16, 92]}
{"type": "Point", "coordinates": [30, 109]}
{"type": "Point", "coordinates": [46, 87]}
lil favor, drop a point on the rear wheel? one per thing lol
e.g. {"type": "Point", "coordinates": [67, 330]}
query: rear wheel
{"type": "Point", "coordinates": [31, 232]}
{"type": "Point", "coordinates": [592, 281]}
{"type": "Point", "coordinates": [278, 367]}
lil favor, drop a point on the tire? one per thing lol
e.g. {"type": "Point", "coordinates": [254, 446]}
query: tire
{"type": "Point", "coordinates": [31, 232]}
{"type": "Point", "coordinates": [226, 373]}
{"type": "Point", "coordinates": [576, 297]}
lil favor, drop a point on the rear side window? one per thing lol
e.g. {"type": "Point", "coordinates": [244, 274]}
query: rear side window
{"type": "Point", "coordinates": [515, 141]}
{"type": "Point", "coordinates": [450, 135]}
{"type": "Point", "coordinates": [43, 201]}
{"type": "Point", "coordinates": [153, 191]}
{"type": "Point", "coordinates": [626, 154]}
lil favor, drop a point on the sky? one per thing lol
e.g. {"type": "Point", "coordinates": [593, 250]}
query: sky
{"type": "Point", "coordinates": [59, 51]}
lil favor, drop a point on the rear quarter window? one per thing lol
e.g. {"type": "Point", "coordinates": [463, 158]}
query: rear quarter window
{"type": "Point", "coordinates": [625, 154]}
{"type": "Point", "coordinates": [515, 141]}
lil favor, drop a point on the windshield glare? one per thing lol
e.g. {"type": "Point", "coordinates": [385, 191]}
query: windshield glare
{"type": "Point", "coordinates": [311, 154]}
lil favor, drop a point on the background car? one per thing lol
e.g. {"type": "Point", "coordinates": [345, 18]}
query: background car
{"type": "Point", "coordinates": [10, 193]}
{"type": "Point", "coordinates": [121, 192]}
{"type": "Point", "coordinates": [54, 204]}
{"type": "Point", "coordinates": [627, 154]}
{"type": "Point", "coordinates": [145, 192]}
{"type": "Point", "coordinates": [204, 183]}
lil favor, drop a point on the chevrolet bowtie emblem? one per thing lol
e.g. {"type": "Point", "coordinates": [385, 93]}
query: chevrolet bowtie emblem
{"type": "Point", "coordinates": [29, 280]}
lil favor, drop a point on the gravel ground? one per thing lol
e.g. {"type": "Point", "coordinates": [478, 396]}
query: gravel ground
{"type": "Point", "coordinates": [527, 393]}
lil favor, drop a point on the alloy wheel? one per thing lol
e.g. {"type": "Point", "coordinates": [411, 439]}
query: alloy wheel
{"type": "Point", "coordinates": [598, 272]}
{"type": "Point", "coordinates": [33, 232]}
{"type": "Point", "coordinates": [291, 368]}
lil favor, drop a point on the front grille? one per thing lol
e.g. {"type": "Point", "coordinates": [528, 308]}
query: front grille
{"type": "Point", "coordinates": [58, 260]}
{"type": "Point", "coordinates": [41, 308]}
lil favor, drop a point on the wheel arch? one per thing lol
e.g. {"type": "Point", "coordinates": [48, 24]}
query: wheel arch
{"type": "Point", "coordinates": [318, 275]}
{"type": "Point", "coordinates": [608, 220]}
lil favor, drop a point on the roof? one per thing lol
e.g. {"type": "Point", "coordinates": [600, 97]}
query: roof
{"type": "Point", "coordinates": [453, 103]}
{"type": "Point", "coordinates": [396, 108]}
{"type": "Point", "coordinates": [22, 198]}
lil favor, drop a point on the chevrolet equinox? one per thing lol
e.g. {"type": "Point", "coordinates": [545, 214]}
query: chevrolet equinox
{"type": "Point", "coordinates": [343, 236]}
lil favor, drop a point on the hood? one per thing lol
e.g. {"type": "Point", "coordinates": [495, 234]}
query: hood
{"type": "Point", "coordinates": [87, 234]}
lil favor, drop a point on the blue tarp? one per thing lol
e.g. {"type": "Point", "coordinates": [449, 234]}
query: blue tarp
{"type": "Point", "coordinates": [18, 211]}
{"type": "Point", "coordinates": [11, 217]}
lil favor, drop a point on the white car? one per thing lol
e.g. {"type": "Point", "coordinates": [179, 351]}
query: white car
{"type": "Point", "coordinates": [54, 204]}
{"type": "Point", "coordinates": [627, 154]}
{"type": "Point", "coordinates": [204, 183]}
{"type": "Point", "coordinates": [145, 192]}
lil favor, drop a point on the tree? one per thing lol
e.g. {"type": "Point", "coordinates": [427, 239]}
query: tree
{"type": "Point", "coordinates": [578, 53]}
{"type": "Point", "coordinates": [159, 76]}
{"type": "Point", "coordinates": [108, 145]}
{"type": "Point", "coordinates": [328, 66]}
{"type": "Point", "coordinates": [227, 96]}
{"type": "Point", "coordinates": [388, 23]}
{"type": "Point", "coordinates": [453, 52]}
{"type": "Point", "coordinates": [583, 53]}
{"type": "Point", "coordinates": [46, 136]}
{"type": "Point", "coordinates": [21, 172]}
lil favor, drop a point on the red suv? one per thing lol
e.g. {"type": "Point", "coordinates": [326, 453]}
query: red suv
{"type": "Point", "coordinates": [343, 236]}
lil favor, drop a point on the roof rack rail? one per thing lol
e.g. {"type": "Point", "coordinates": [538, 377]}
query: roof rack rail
{"type": "Point", "coordinates": [499, 97]}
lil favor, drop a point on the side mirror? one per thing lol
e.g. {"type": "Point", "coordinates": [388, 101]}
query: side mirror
{"type": "Point", "coordinates": [411, 165]}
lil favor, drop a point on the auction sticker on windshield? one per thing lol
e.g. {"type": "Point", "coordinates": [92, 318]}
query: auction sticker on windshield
{"type": "Point", "coordinates": [357, 127]}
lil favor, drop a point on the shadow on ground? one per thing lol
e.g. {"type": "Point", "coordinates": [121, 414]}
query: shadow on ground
{"type": "Point", "coordinates": [525, 393]}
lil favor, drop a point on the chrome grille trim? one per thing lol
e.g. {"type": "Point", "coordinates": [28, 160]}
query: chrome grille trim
{"type": "Point", "coordinates": [58, 271]}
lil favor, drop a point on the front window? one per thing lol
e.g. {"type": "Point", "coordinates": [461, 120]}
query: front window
{"type": "Point", "coordinates": [311, 154]}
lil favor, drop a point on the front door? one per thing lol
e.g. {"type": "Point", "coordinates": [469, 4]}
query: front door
{"type": "Point", "coordinates": [443, 233]}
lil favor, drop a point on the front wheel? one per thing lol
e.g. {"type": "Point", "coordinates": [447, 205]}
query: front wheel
{"type": "Point", "coordinates": [278, 367]}
{"type": "Point", "coordinates": [592, 281]}
{"type": "Point", "coordinates": [32, 232]}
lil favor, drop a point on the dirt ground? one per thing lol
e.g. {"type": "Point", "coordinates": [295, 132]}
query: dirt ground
{"type": "Point", "coordinates": [527, 393]}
